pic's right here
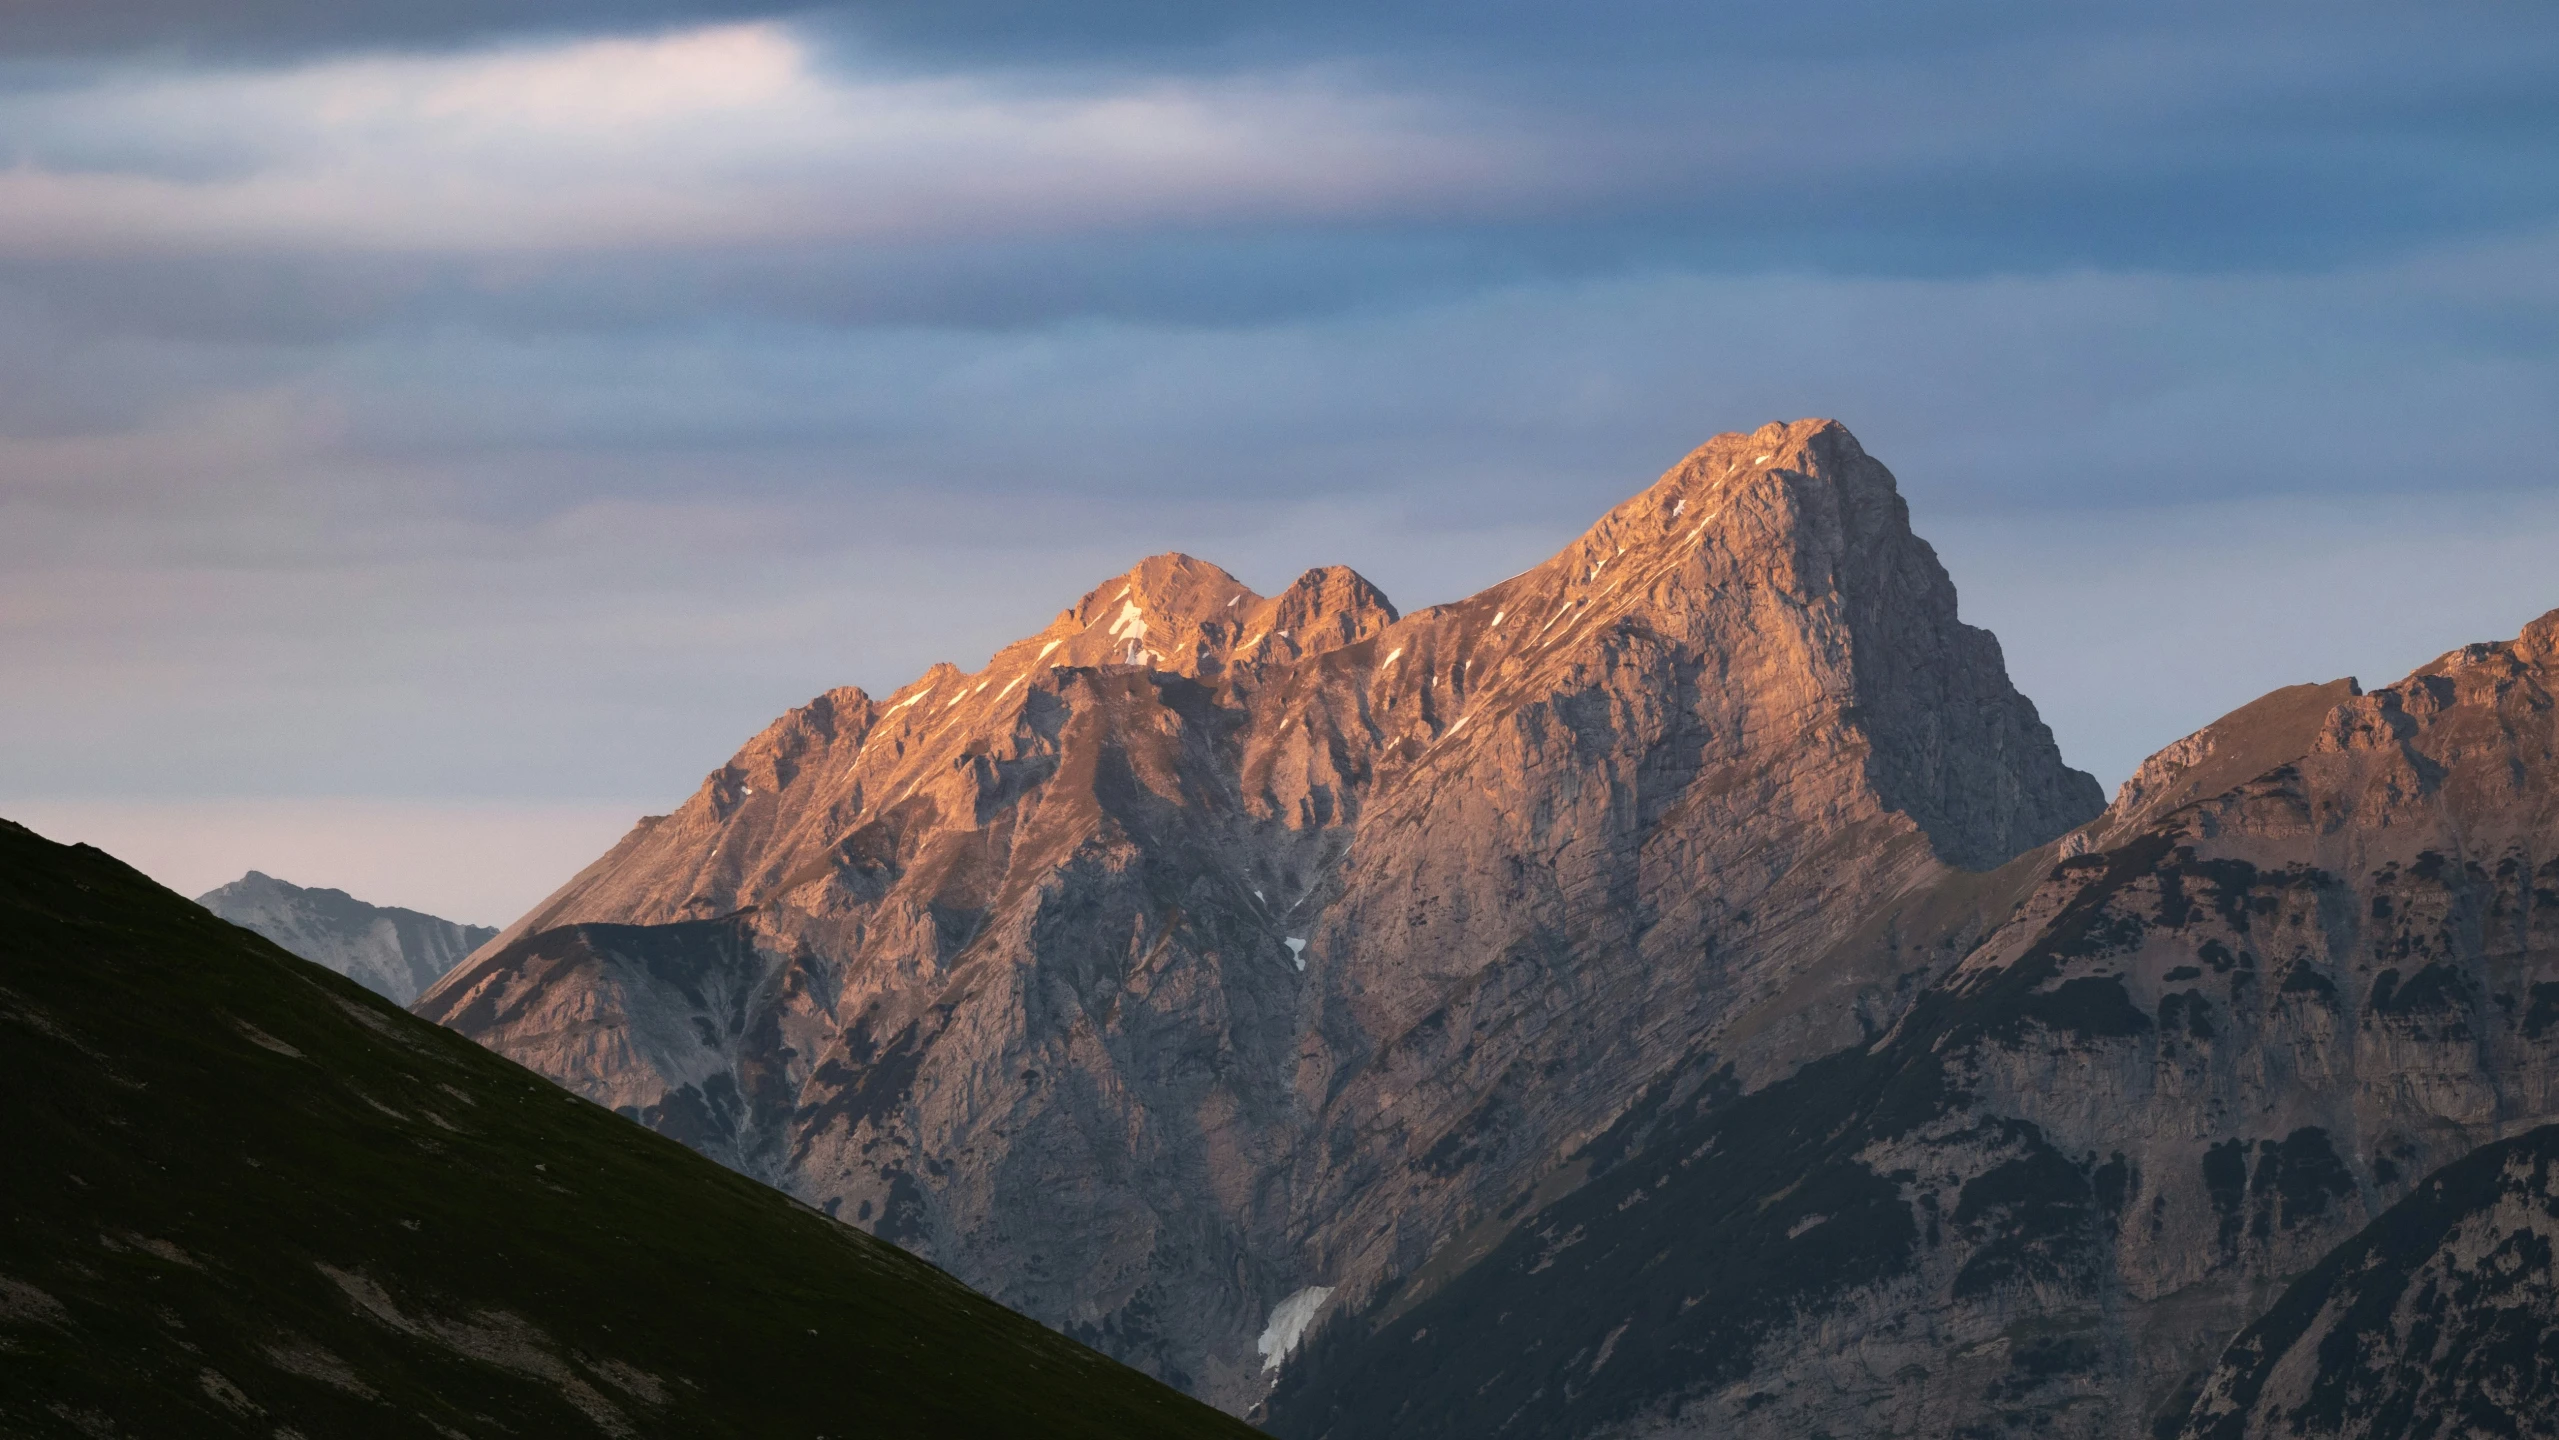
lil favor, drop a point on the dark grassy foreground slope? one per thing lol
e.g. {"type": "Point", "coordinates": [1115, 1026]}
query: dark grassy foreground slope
{"type": "Point", "coordinates": [243, 1195]}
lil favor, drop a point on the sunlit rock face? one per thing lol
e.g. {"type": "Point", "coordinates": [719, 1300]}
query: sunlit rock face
{"type": "Point", "coordinates": [392, 952]}
{"type": "Point", "coordinates": [2309, 957]}
{"type": "Point", "coordinates": [1208, 961]}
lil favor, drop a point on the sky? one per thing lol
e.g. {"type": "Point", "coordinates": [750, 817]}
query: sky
{"type": "Point", "coordinates": [430, 440]}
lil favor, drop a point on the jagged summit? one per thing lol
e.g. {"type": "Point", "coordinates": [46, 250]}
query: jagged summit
{"type": "Point", "coordinates": [1176, 613]}
{"type": "Point", "coordinates": [1206, 950]}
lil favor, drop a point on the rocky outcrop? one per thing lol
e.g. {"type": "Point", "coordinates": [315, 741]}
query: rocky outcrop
{"type": "Point", "coordinates": [2436, 1320]}
{"type": "Point", "coordinates": [1208, 960]}
{"type": "Point", "coordinates": [392, 952]}
{"type": "Point", "coordinates": [2311, 955]}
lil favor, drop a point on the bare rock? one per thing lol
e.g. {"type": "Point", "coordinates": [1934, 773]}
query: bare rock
{"type": "Point", "coordinates": [392, 952]}
{"type": "Point", "coordinates": [1207, 952]}
{"type": "Point", "coordinates": [2312, 957]}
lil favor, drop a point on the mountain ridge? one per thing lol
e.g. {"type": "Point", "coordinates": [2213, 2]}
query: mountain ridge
{"type": "Point", "coordinates": [1158, 991]}
{"type": "Point", "coordinates": [394, 952]}
{"type": "Point", "coordinates": [2199, 1053]}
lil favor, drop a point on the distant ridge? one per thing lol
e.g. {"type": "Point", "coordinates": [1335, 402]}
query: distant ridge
{"type": "Point", "coordinates": [394, 953]}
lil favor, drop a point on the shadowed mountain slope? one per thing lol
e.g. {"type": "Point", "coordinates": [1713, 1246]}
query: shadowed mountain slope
{"type": "Point", "coordinates": [2440, 1319]}
{"type": "Point", "coordinates": [1208, 958]}
{"type": "Point", "coordinates": [245, 1196]}
{"type": "Point", "coordinates": [2312, 956]}
{"type": "Point", "coordinates": [394, 953]}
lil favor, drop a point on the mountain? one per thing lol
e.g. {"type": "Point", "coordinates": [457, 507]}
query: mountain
{"type": "Point", "coordinates": [247, 1197]}
{"type": "Point", "coordinates": [392, 952]}
{"type": "Point", "coordinates": [1208, 962]}
{"type": "Point", "coordinates": [2310, 955]}
{"type": "Point", "coordinates": [2435, 1320]}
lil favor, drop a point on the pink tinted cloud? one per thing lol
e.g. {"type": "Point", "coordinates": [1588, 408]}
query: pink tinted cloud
{"type": "Point", "coordinates": [727, 135]}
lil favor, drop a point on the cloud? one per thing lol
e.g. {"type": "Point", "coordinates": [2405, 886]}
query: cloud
{"type": "Point", "coordinates": [705, 138]}
{"type": "Point", "coordinates": [538, 565]}
{"type": "Point", "coordinates": [530, 416]}
{"type": "Point", "coordinates": [59, 30]}
{"type": "Point", "coordinates": [852, 148]}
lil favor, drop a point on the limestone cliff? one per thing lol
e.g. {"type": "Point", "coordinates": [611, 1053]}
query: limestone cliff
{"type": "Point", "coordinates": [1208, 956]}
{"type": "Point", "coordinates": [2311, 955]}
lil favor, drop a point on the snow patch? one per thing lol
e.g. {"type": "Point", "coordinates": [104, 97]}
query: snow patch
{"type": "Point", "coordinates": [1675, 509]}
{"type": "Point", "coordinates": [1289, 1320]}
{"type": "Point", "coordinates": [1390, 657]}
{"type": "Point", "coordinates": [909, 700]}
{"type": "Point", "coordinates": [1044, 651]}
{"type": "Point", "coordinates": [1764, 459]}
{"type": "Point", "coordinates": [1297, 952]}
{"type": "Point", "coordinates": [1131, 623]}
{"type": "Point", "coordinates": [1497, 620]}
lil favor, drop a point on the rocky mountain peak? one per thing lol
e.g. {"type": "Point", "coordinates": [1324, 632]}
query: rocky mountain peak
{"type": "Point", "coordinates": [1182, 615]}
{"type": "Point", "coordinates": [393, 952]}
{"type": "Point", "coordinates": [2539, 642]}
{"type": "Point", "coordinates": [1224, 950]}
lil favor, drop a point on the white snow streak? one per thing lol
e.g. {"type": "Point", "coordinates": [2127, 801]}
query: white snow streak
{"type": "Point", "coordinates": [1297, 952]}
{"type": "Point", "coordinates": [1390, 657]}
{"type": "Point", "coordinates": [1044, 651]}
{"type": "Point", "coordinates": [1289, 1320]}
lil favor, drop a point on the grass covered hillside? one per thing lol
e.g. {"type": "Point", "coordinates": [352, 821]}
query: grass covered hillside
{"type": "Point", "coordinates": [243, 1195]}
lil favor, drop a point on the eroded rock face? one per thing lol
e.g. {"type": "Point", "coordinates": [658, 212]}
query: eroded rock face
{"type": "Point", "coordinates": [392, 952]}
{"type": "Point", "coordinates": [2435, 1320]}
{"type": "Point", "coordinates": [1208, 951]}
{"type": "Point", "coordinates": [2311, 955]}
